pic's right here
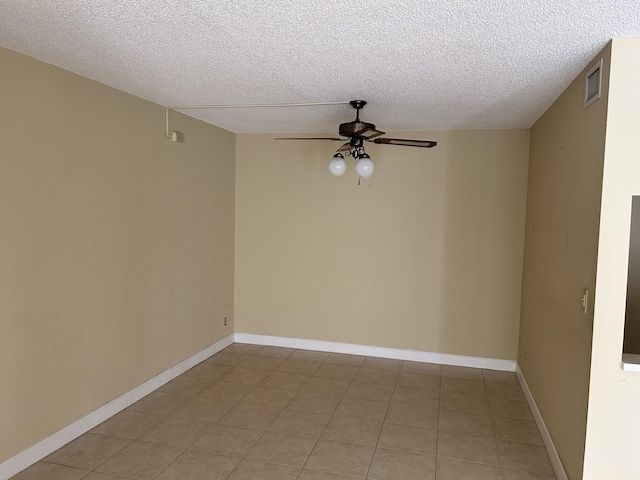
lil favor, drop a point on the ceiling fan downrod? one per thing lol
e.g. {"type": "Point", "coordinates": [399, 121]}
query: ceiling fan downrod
{"type": "Point", "coordinates": [357, 104]}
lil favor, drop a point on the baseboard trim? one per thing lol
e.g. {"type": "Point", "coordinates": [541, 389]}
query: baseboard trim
{"type": "Point", "coordinates": [556, 463]}
{"type": "Point", "coordinates": [48, 445]}
{"type": "Point", "coordinates": [382, 352]}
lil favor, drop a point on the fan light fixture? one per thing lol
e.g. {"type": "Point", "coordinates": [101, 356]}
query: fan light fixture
{"type": "Point", "coordinates": [337, 165]}
{"type": "Point", "coordinates": [364, 164]}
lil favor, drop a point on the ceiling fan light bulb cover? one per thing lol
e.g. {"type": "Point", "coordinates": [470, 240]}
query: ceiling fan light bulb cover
{"type": "Point", "coordinates": [337, 165]}
{"type": "Point", "coordinates": [364, 167]}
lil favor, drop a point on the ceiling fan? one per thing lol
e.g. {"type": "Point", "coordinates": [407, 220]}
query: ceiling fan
{"type": "Point", "coordinates": [354, 135]}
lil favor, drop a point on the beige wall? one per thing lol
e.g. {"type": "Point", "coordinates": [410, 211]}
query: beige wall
{"type": "Point", "coordinates": [116, 245]}
{"type": "Point", "coordinates": [427, 255]}
{"type": "Point", "coordinates": [613, 426]}
{"type": "Point", "coordinates": [563, 204]}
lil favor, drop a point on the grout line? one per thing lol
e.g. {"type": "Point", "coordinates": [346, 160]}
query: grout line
{"type": "Point", "coordinates": [333, 414]}
{"type": "Point", "coordinates": [440, 385]}
{"type": "Point", "coordinates": [248, 393]}
{"type": "Point", "coordinates": [215, 423]}
{"type": "Point", "coordinates": [495, 440]}
{"type": "Point", "coordinates": [395, 384]}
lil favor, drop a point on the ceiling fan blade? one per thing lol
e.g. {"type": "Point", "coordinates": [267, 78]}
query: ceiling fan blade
{"type": "Point", "coordinates": [311, 138]}
{"type": "Point", "coordinates": [404, 142]}
{"type": "Point", "coordinates": [367, 133]}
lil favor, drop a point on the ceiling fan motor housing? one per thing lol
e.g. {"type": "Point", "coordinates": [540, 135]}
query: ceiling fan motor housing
{"type": "Point", "coordinates": [354, 129]}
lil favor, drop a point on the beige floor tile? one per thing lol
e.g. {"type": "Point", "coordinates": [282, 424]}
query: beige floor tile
{"type": "Point", "coordinates": [301, 367]}
{"type": "Point", "coordinates": [140, 460]}
{"type": "Point", "coordinates": [87, 451]}
{"type": "Point", "coordinates": [341, 458]}
{"type": "Point", "coordinates": [379, 377]}
{"type": "Point", "coordinates": [242, 348]}
{"type": "Point", "coordinates": [514, 409]}
{"type": "Point", "coordinates": [326, 385]}
{"type": "Point", "coordinates": [472, 448]}
{"type": "Point", "coordinates": [207, 370]}
{"type": "Point", "coordinates": [203, 410]}
{"type": "Point", "coordinates": [252, 470]}
{"type": "Point", "coordinates": [227, 440]}
{"type": "Point", "coordinates": [322, 412]}
{"type": "Point", "coordinates": [522, 456]}
{"type": "Point", "coordinates": [256, 417]}
{"type": "Point", "coordinates": [432, 369]}
{"type": "Point", "coordinates": [522, 475]}
{"type": "Point", "coordinates": [462, 385]}
{"type": "Point", "coordinates": [418, 380]}
{"type": "Point", "coordinates": [370, 391]}
{"type": "Point", "coordinates": [495, 376]}
{"type": "Point", "coordinates": [227, 392]}
{"type": "Point", "coordinates": [224, 358]}
{"type": "Point", "coordinates": [416, 396]}
{"type": "Point", "coordinates": [313, 475]}
{"type": "Point", "coordinates": [309, 355]}
{"type": "Point", "coordinates": [289, 381]}
{"type": "Point", "coordinates": [382, 364]}
{"type": "Point", "coordinates": [103, 476]}
{"type": "Point", "coordinates": [176, 432]}
{"type": "Point", "coordinates": [353, 430]}
{"type": "Point", "coordinates": [413, 415]}
{"type": "Point", "coordinates": [186, 385]}
{"type": "Point", "coordinates": [395, 465]}
{"type": "Point", "coordinates": [50, 471]}
{"type": "Point", "coordinates": [344, 359]}
{"type": "Point", "coordinates": [504, 390]}
{"type": "Point", "coordinates": [127, 424]}
{"type": "Point", "coordinates": [159, 403]}
{"type": "Point", "coordinates": [448, 469]}
{"type": "Point", "coordinates": [275, 352]}
{"type": "Point", "coordinates": [477, 396]}
{"type": "Point", "coordinates": [252, 376]}
{"type": "Point", "coordinates": [466, 423]}
{"type": "Point", "coordinates": [300, 423]}
{"type": "Point", "coordinates": [322, 403]}
{"type": "Point", "coordinates": [517, 430]}
{"type": "Point", "coordinates": [409, 439]}
{"type": "Point", "coordinates": [262, 362]}
{"type": "Point", "coordinates": [462, 372]}
{"type": "Point", "coordinates": [360, 408]}
{"type": "Point", "coordinates": [271, 397]}
{"type": "Point", "coordinates": [336, 371]}
{"type": "Point", "coordinates": [192, 465]}
{"type": "Point", "coordinates": [282, 448]}
{"type": "Point", "coordinates": [464, 402]}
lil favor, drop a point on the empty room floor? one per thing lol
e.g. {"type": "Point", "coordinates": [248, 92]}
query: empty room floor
{"type": "Point", "coordinates": [252, 412]}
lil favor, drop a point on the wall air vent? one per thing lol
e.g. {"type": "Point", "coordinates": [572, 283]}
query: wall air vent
{"type": "Point", "coordinates": [592, 84]}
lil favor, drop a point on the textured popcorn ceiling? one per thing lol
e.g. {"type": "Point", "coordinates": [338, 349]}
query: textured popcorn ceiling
{"type": "Point", "coordinates": [421, 64]}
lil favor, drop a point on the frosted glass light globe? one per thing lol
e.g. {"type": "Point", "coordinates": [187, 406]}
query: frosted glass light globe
{"type": "Point", "coordinates": [364, 167]}
{"type": "Point", "coordinates": [337, 165]}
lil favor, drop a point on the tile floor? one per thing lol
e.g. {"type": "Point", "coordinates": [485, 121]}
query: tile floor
{"type": "Point", "coordinates": [252, 412]}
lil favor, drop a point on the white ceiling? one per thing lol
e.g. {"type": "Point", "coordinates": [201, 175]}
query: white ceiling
{"type": "Point", "coordinates": [421, 64]}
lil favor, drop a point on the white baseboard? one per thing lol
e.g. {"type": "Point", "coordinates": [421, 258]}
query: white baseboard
{"type": "Point", "coordinates": [48, 445]}
{"type": "Point", "coordinates": [556, 463]}
{"type": "Point", "coordinates": [382, 352]}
